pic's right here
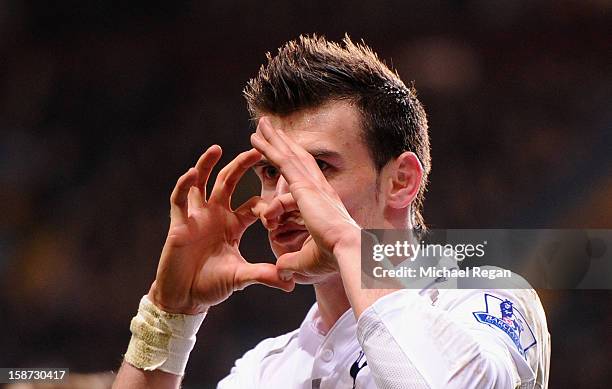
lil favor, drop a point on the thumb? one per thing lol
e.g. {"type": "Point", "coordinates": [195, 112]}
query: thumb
{"type": "Point", "coordinates": [304, 262]}
{"type": "Point", "coordinates": [261, 273]}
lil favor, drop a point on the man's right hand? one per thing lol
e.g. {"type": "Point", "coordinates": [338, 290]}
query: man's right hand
{"type": "Point", "coordinates": [201, 264]}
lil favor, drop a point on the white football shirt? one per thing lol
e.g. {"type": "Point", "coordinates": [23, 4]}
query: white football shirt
{"type": "Point", "coordinates": [433, 338]}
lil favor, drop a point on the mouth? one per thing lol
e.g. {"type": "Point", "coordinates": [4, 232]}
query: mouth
{"type": "Point", "coordinates": [289, 235]}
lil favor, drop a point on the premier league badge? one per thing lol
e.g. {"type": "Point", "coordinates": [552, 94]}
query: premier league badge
{"type": "Point", "coordinates": [501, 313]}
{"type": "Point", "coordinates": [507, 312]}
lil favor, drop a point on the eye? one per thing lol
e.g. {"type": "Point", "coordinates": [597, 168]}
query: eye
{"type": "Point", "coordinates": [323, 165]}
{"type": "Point", "coordinates": [270, 172]}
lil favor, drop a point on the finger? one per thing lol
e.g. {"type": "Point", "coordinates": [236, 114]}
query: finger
{"type": "Point", "coordinates": [270, 134]}
{"type": "Point", "coordinates": [178, 198]}
{"type": "Point", "coordinates": [264, 147]}
{"type": "Point", "coordinates": [296, 262]}
{"type": "Point", "coordinates": [281, 204]}
{"type": "Point", "coordinates": [289, 163]}
{"type": "Point", "coordinates": [304, 156]}
{"type": "Point", "coordinates": [261, 273]}
{"type": "Point", "coordinates": [194, 200]}
{"type": "Point", "coordinates": [250, 210]}
{"type": "Point", "coordinates": [232, 173]}
{"type": "Point", "coordinates": [279, 142]}
{"type": "Point", "coordinates": [205, 165]}
{"type": "Point", "coordinates": [258, 210]}
{"type": "Point", "coordinates": [308, 164]}
{"type": "Point", "coordinates": [284, 144]}
{"type": "Point", "coordinates": [307, 161]}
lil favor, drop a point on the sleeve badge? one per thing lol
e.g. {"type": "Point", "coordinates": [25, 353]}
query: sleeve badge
{"type": "Point", "coordinates": [502, 314]}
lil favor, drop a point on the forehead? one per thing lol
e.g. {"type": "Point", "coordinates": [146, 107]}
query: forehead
{"type": "Point", "coordinates": [336, 124]}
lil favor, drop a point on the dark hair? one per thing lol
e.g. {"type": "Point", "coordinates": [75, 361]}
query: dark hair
{"type": "Point", "coordinates": [311, 71]}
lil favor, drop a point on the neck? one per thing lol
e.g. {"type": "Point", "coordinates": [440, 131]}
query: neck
{"type": "Point", "coordinates": [330, 294]}
{"type": "Point", "coordinates": [332, 300]}
{"type": "Point", "coordinates": [398, 219]}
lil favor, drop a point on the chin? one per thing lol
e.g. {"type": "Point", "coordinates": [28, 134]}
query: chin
{"type": "Point", "coordinates": [279, 250]}
{"type": "Point", "coordinates": [304, 280]}
{"type": "Point", "coordinates": [301, 279]}
{"type": "Point", "coordinates": [313, 280]}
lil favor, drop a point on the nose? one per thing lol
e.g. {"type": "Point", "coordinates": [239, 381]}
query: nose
{"type": "Point", "coordinates": [282, 186]}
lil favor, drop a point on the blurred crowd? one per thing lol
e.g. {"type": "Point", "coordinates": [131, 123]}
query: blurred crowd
{"type": "Point", "coordinates": [103, 107]}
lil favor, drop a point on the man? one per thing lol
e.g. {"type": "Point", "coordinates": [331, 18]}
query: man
{"type": "Point", "coordinates": [341, 144]}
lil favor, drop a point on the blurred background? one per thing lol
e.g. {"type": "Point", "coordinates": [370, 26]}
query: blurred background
{"type": "Point", "coordinates": [103, 106]}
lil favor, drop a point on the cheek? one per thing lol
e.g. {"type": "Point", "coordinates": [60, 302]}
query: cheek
{"type": "Point", "coordinates": [360, 201]}
{"type": "Point", "coordinates": [267, 193]}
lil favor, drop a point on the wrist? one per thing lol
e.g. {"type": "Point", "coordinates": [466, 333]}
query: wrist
{"type": "Point", "coordinates": [349, 240]}
{"type": "Point", "coordinates": [348, 245]}
{"type": "Point", "coordinates": [158, 299]}
{"type": "Point", "coordinates": [161, 340]}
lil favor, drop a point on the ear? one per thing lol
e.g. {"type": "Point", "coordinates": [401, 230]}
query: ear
{"type": "Point", "coordinates": [404, 180]}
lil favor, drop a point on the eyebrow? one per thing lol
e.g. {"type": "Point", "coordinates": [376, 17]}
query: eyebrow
{"type": "Point", "coordinates": [316, 153]}
{"type": "Point", "coordinates": [263, 162]}
{"type": "Point", "coordinates": [325, 153]}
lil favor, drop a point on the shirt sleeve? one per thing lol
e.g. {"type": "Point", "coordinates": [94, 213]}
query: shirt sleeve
{"type": "Point", "coordinates": [246, 371]}
{"type": "Point", "coordinates": [243, 373]}
{"type": "Point", "coordinates": [411, 343]}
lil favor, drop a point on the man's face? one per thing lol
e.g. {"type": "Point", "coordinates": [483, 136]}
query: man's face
{"type": "Point", "coordinates": [331, 133]}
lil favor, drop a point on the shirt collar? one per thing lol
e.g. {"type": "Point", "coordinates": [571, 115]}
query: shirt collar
{"type": "Point", "coordinates": [342, 331]}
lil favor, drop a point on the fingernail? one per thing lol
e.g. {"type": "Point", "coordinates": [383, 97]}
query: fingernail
{"type": "Point", "coordinates": [285, 275]}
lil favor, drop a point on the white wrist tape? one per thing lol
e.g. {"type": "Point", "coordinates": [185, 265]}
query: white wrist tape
{"type": "Point", "coordinates": [161, 340]}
